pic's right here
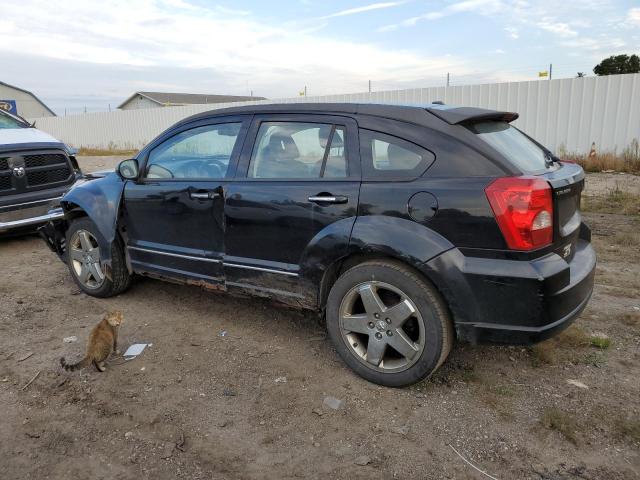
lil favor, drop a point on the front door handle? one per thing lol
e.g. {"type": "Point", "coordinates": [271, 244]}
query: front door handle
{"type": "Point", "coordinates": [203, 195]}
{"type": "Point", "coordinates": [328, 198]}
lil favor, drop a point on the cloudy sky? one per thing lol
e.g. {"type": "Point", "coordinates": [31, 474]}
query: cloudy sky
{"type": "Point", "coordinates": [77, 53]}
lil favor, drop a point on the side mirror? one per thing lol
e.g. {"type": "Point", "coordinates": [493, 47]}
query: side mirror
{"type": "Point", "coordinates": [128, 169]}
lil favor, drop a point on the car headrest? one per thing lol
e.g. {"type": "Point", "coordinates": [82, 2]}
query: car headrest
{"type": "Point", "coordinates": [324, 138]}
{"type": "Point", "coordinates": [282, 147]}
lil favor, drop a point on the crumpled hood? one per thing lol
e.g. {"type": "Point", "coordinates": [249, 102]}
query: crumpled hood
{"type": "Point", "coordinates": [10, 138]}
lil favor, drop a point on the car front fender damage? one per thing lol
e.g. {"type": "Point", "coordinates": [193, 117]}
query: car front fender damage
{"type": "Point", "coordinates": [100, 200]}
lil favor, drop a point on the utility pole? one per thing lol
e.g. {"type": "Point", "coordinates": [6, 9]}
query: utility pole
{"type": "Point", "coordinates": [447, 79]}
{"type": "Point", "coordinates": [109, 107]}
{"type": "Point", "coordinates": [305, 90]}
{"type": "Point", "coordinates": [550, 69]}
{"type": "Point", "coordinates": [369, 86]}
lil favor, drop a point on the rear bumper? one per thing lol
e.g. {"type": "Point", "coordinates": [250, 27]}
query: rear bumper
{"type": "Point", "coordinates": [511, 301]}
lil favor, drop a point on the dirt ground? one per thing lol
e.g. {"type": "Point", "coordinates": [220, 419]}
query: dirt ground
{"type": "Point", "coordinates": [249, 404]}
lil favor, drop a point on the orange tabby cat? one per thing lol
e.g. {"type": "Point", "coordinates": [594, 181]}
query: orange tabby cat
{"type": "Point", "coordinates": [102, 341]}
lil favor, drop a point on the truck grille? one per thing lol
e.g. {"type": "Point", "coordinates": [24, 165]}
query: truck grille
{"type": "Point", "coordinates": [5, 182]}
{"type": "Point", "coordinates": [42, 170]}
{"type": "Point", "coordinates": [41, 160]}
{"type": "Point", "coordinates": [44, 177]}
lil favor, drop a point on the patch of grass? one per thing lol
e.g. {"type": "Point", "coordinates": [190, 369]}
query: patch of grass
{"type": "Point", "coordinates": [614, 201]}
{"type": "Point", "coordinates": [562, 422]}
{"type": "Point", "coordinates": [497, 402]}
{"type": "Point", "coordinates": [627, 239]}
{"type": "Point", "coordinates": [600, 342]}
{"type": "Point", "coordinates": [469, 376]}
{"type": "Point", "coordinates": [630, 319]}
{"type": "Point", "coordinates": [99, 152]}
{"type": "Point", "coordinates": [593, 359]}
{"type": "Point", "coordinates": [573, 336]}
{"type": "Point", "coordinates": [503, 390]}
{"type": "Point", "coordinates": [629, 428]}
{"type": "Point", "coordinates": [565, 347]}
{"type": "Point", "coordinates": [627, 161]}
{"type": "Point", "coordinates": [544, 353]}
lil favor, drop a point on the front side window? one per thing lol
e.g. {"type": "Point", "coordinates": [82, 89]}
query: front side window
{"type": "Point", "coordinates": [386, 156]}
{"type": "Point", "coordinates": [513, 144]}
{"type": "Point", "coordinates": [298, 150]}
{"type": "Point", "coordinates": [199, 153]}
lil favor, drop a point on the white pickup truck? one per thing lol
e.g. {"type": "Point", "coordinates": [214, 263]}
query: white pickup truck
{"type": "Point", "coordinates": [35, 171]}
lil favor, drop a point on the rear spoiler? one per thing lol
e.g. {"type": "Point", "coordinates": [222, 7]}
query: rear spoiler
{"type": "Point", "coordinates": [461, 115]}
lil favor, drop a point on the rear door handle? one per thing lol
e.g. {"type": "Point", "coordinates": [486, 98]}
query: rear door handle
{"type": "Point", "coordinates": [327, 198]}
{"type": "Point", "coordinates": [203, 195]}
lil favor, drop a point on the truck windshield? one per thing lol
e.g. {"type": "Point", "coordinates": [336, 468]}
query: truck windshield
{"type": "Point", "coordinates": [7, 121]}
{"type": "Point", "coordinates": [513, 144]}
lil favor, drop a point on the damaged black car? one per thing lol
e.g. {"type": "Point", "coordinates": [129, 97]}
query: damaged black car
{"type": "Point", "coordinates": [406, 227]}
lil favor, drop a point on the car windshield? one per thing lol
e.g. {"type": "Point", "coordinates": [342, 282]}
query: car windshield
{"type": "Point", "coordinates": [513, 144]}
{"type": "Point", "coordinates": [7, 121]}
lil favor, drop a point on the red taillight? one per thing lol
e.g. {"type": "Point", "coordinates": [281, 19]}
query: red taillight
{"type": "Point", "coordinates": [524, 211]}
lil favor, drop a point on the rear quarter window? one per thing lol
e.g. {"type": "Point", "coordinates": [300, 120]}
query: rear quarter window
{"type": "Point", "coordinates": [519, 149]}
{"type": "Point", "coordinates": [388, 157]}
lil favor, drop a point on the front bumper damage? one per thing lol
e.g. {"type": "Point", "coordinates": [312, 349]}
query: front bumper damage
{"type": "Point", "coordinates": [53, 232]}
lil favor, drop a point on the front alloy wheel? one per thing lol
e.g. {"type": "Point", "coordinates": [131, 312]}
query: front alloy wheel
{"type": "Point", "coordinates": [85, 259]}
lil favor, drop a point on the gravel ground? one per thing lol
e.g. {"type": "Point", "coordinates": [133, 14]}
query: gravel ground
{"type": "Point", "coordinates": [249, 404]}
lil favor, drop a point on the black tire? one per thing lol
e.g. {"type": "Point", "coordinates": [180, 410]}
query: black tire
{"type": "Point", "coordinates": [438, 332]}
{"type": "Point", "coordinates": [117, 282]}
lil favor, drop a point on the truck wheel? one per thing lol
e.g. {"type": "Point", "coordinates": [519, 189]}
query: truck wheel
{"type": "Point", "coordinates": [390, 325]}
{"type": "Point", "coordinates": [83, 259]}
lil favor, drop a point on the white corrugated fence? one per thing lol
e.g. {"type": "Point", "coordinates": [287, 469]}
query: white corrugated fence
{"type": "Point", "coordinates": [567, 113]}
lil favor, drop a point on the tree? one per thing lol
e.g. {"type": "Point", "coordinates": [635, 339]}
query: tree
{"type": "Point", "coordinates": [616, 64]}
{"type": "Point", "coordinates": [581, 75]}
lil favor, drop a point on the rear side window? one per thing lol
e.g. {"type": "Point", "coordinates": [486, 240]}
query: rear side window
{"type": "Point", "coordinates": [513, 144]}
{"type": "Point", "coordinates": [385, 156]}
{"type": "Point", "coordinates": [298, 150]}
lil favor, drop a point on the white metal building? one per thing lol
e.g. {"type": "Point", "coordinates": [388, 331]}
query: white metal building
{"type": "Point", "coordinates": [141, 100]}
{"type": "Point", "coordinates": [22, 102]}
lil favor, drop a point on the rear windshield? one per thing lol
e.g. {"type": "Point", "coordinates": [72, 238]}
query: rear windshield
{"type": "Point", "coordinates": [8, 122]}
{"type": "Point", "coordinates": [513, 144]}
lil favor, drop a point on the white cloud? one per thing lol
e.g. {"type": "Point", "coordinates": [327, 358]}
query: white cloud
{"type": "Point", "coordinates": [233, 49]}
{"type": "Point", "coordinates": [603, 44]}
{"type": "Point", "coordinates": [562, 19]}
{"type": "Point", "coordinates": [512, 31]}
{"type": "Point", "coordinates": [559, 28]}
{"type": "Point", "coordinates": [365, 8]}
{"type": "Point", "coordinates": [633, 16]}
{"type": "Point", "coordinates": [484, 7]}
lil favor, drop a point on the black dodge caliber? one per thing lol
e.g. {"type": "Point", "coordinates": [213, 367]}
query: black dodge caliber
{"type": "Point", "coordinates": [406, 227]}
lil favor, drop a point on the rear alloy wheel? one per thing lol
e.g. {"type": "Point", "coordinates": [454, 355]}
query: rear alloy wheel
{"type": "Point", "coordinates": [83, 259]}
{"type": "Point", "coordinates": [388, 323]}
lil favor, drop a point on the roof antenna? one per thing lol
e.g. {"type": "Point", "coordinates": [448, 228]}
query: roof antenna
{"type": "Point", "coordinates": [437, 102]}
